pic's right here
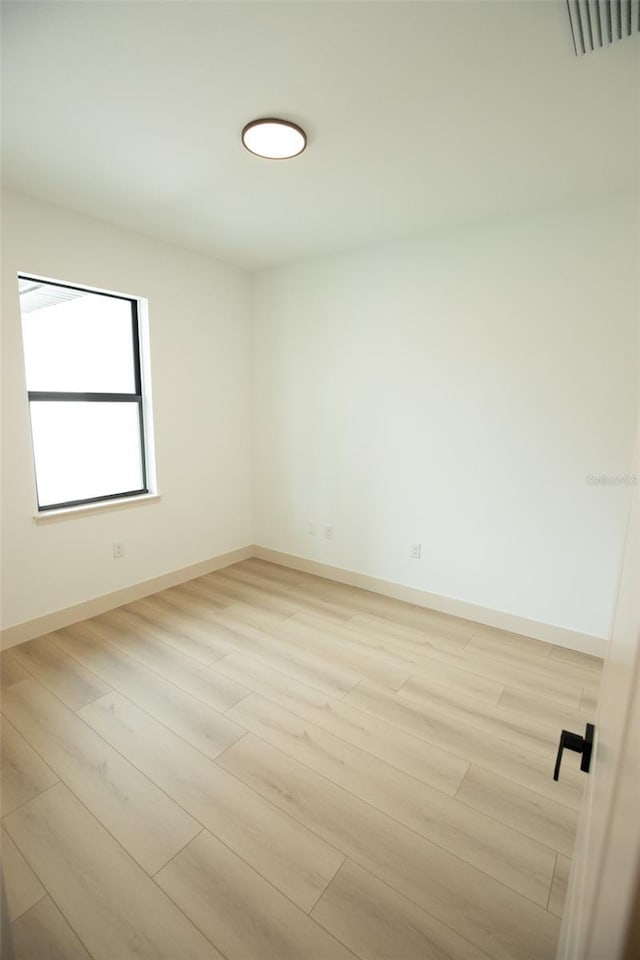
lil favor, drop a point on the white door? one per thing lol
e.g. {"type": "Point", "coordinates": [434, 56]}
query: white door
{"type": "Point", "coordinates": [607, 854]}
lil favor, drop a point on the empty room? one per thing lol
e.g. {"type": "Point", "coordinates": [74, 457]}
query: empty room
{"type": "Point", "coordinates": [320, 525]}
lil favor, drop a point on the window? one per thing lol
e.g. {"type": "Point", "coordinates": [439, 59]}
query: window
{"type": "Point", "coordinates": [82, 359]}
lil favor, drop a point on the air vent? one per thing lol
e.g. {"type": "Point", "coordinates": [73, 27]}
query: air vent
{"type": "Point", "coordinates": [599, 23]}
{"type": "Point", "coordinates": [39, 296]}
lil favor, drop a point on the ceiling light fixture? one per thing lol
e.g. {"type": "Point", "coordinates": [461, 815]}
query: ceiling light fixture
{"type": "Point", "coordinates": [274, 139]}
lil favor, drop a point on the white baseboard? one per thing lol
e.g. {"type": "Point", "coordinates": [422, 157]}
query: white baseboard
{"type": "Point", "coordinates": [91, 608]}
{"type": "Point", "coordinates": [562, 636]}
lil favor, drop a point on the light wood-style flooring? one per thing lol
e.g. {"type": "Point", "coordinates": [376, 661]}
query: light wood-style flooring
{"type": "Point", "coordinates": [264, 765]}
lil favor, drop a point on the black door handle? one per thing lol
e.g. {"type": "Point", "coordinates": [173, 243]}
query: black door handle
{"type": "Point", "coordinates": [573, 741]}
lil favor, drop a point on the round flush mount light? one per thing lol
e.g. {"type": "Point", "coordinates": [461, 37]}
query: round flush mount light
{"type": "Point", "coordinates": [274, 139]}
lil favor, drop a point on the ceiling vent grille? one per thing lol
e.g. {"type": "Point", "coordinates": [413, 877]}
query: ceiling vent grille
{"type": "Point", "coordinates": [599, 23]}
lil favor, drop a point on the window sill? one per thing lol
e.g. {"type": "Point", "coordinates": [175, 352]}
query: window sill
{"type": "Point", "coordinates": [82, 510]}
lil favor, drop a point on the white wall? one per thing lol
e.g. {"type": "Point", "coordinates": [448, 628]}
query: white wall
{"type": "Point", "coordinates": [456, 391]}
{"type": "Point", "coordinates": [199, 328]}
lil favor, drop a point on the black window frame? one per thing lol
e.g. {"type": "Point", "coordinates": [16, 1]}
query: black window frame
{"type": "Point", "coordinates": [64, 396]}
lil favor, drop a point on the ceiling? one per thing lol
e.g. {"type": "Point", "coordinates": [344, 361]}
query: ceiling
{"type": "Point", "coordinates": [419, 114]}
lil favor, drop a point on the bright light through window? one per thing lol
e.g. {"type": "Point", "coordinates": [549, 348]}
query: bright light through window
{"type": "Point", "coordinates": [85, 451]}
{"type": "Point", "coordinates": [82, 360]}
{"type": "Point", "coordinates": [82, 344]}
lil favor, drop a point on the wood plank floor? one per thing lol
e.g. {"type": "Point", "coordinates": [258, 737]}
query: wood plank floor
{"type": "Point", "coordinates": [265, 765]}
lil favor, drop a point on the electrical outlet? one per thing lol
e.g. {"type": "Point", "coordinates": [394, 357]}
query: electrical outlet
{"type": "Point", "coordinates": [311, 528]}
{"type": "Point", "coordinates": [118, 550]}
{"type": "Point", "coordinates": [327, 533]}
{"type": "Point", "coordinates": [415, 551]}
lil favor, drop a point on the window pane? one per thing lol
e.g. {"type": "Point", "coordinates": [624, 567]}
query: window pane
{"type": "Point", "coordinates": [76, 341]}
{"type": "Point", "coordinates": [85, 450]}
